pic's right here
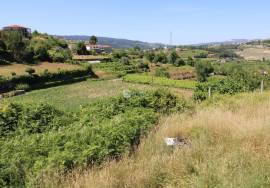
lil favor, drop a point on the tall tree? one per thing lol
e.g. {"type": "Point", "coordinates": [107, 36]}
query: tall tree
{"type": "Point", "coordinates": [16, 44]}
{"type": "Point", "coordinates": [81, 49]}
{"type": "Point", "coordinates": [93, 40]}
{"type": "Point", "coordinates": [173, 56]}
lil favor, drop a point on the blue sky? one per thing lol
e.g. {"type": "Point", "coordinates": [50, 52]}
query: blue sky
{"type": "Point", "coordinates": [190, 21]}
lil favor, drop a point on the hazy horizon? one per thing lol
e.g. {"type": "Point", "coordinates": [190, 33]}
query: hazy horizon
{"type": "Point", "coordinates": [191, 22]}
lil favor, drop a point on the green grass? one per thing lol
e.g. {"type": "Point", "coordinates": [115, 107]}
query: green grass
{"type": "Point", "coordinates": [191, 53]}
{"type": "Point", "coordinates": [146, 79]}
{"type": "Point", "coordinates": [70, 97]}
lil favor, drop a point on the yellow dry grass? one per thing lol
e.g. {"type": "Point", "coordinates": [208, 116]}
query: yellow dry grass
{"type": "Point", "coordinates": [19, 69]}
{"type": "Point", "coordinates": [229, 147]}
{"type": "Point", "coordinates": [255, 53]}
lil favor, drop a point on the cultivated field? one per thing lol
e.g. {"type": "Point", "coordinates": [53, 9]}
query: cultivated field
{"type": "Point", "coordinates": [161, 81]}
{"type": "Point", "coordinates": [255, 53]}
{"type": "Point", "coordinates": [19, 69]}
{"type": "Point", "coordinates": [228, 146]}
{"type": "Point", "coordinates": [70, 97]}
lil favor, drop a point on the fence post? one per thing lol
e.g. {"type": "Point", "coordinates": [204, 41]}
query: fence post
{"type": "Point", "coordinates": [209, 92]}
{"type": "Point", "coordinates": [262, 86]}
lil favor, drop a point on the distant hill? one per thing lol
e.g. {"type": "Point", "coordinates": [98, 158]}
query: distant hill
{"type": "Point", "coordinates": [114, 42]}
{"type": "Point", "coordinates": [233, 41]}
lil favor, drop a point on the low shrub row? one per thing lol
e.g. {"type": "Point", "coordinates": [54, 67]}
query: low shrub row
{"type": "Point", "coordinates": [240, 82]}
{"type": "Point", "coordinates": [147, 79]}
{"type": "Point", "coordinates": [37, 81]}
{"type": "Point", "coordinates": [122, 69]}
{"type": "Point", "coordinates": [39, 142]}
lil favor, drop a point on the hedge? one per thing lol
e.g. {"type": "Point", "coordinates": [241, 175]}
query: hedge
{"type": "Point", "coordinates": [39, 81]}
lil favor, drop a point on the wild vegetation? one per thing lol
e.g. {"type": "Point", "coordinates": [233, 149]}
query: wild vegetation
{"type": "Point", "coordinates": [39, 142]}
{"type": "Point", "coordinates": [227, 146]}
{"type": "Point", "coordinates": [52, 137]}
{"type": "Point", "coordinates": [15, 47]}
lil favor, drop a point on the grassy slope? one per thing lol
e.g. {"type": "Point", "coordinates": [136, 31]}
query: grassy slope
{"type": "Point", "coordinates": [147, 79]}
{"type": "Point", "coordinates": [254, 53]}
{"type": "Point", "coordinates": [69, 97]}
{"type": "Point", "coordinates": [230, 143]}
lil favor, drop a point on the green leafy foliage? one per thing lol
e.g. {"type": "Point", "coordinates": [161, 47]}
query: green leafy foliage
{"type": "Point", "coordinates": [38, 81]}
{"type": "Point", "coordinates": [38, 140]}
{"type": "Point", "coordinates": [30, 70]}
{"type": "Point", "coordinates": [80, 49]}
{"type": "Point", "coordinates": [14, 46]}
{"type": "Point", "coordinates": [203, 69]}
{"type": "Point", "coordinates": [239, 82]}
{"type": "Point", "coordinates": [162, 72]}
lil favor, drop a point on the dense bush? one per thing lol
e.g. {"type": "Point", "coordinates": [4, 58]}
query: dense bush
{"type": "Point", "coordinates": [162, 72]}
{"type": "Point", "coordinates": [30, 70]}
{"type": "Point", "coordinates": [80, 49]}
{"type": "Point", "coordinates": [239, 82]}
{"type": "Point", "coordinates": [190, 61]}
{"type": "Point", "coordinates": [39, 141]}
{"type": "Point", "coordinates": [203, 69]}
{"type": "Point", "coordinates": [125, 61]}
{"type": "Point", "coordinates": [22, 119]}
{"type": "Point", "coordinates": [14, 46]}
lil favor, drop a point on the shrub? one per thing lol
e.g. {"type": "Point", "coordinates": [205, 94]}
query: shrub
{"type": "Point", "coordinates": [125, 61]}
{"type": "Point", "coordinates": [201, 55]}
{"type": "Point", "coordinates": [38, 140]}
{"type": "Point", "coordinates": [239, 82]}
{"type": "Point", "coordinates": [30, 70]}
{"type": "Point", "coordinates": [190, 61]}
{"type": "Point", "coordinates": [162, 72]}
{"type": "Point", "coordinates": [172, 58]}
{"type": "Point", "coordinates": [24, 87]}
{"type": "Point", "coordinates": [143, 66]}
{"type": "Point", "coordinates": [13, 73]}
{"type": "Point", "coordinates": [203, 70]}
{"type": "Point", "coordinates": [179, 62]}
{"type": "Point", "coordinates": [160, 58]}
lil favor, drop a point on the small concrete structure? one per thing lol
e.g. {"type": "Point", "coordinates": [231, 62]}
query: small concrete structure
{"type": "Point", "coordinates": [99, 48]}
{"type": "Point", "coordinates": [175, 142]}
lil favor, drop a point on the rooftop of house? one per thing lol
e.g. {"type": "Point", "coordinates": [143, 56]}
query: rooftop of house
{"type": "Point", "coordinates": [98, 46]}
{"type": "Point", "coordinates": [16, 27]}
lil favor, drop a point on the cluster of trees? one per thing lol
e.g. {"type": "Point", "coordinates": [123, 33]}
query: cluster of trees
{"type": "Point", "coordinates": [171, 58]}
{"type": "Point", "coordinates": [80, 47]}
{"type": "Point", "coordinates": [15, 47]}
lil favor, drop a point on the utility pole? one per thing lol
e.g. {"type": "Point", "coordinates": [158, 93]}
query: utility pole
{"type": "Point", "coordinates": [171, 39]}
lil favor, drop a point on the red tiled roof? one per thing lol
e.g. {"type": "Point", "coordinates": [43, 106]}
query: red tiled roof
{"type": "Point", "coordinates": [99, 46]}
{"type": "Point", "coordinates": [15, 26]}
